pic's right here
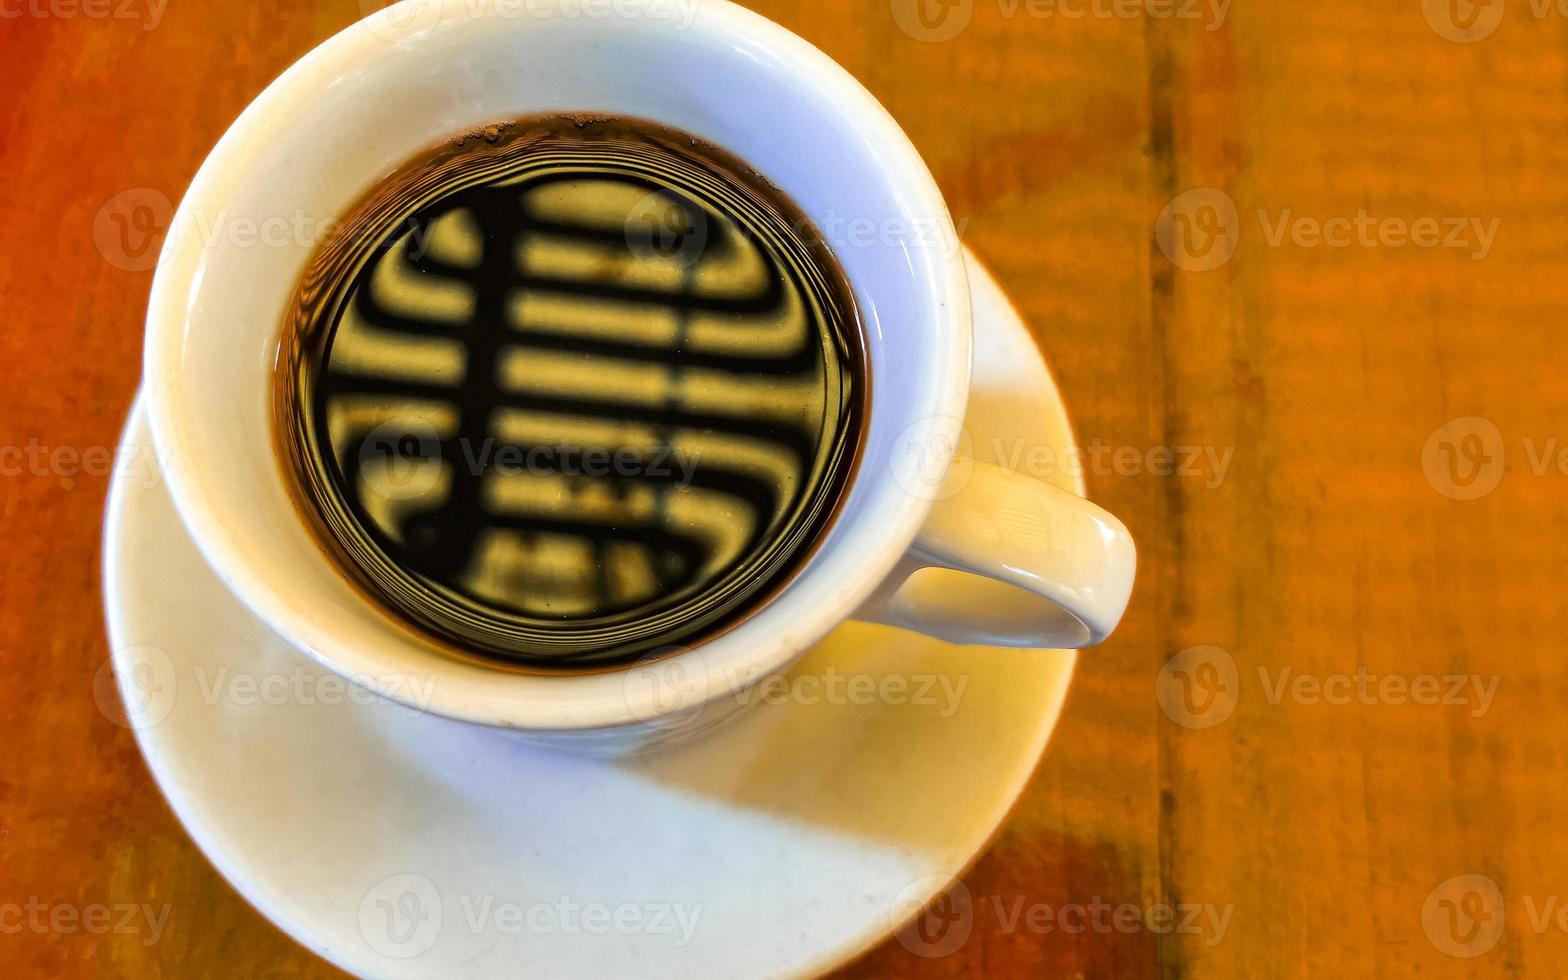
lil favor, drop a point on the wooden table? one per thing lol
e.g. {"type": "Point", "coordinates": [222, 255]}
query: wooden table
{"type": "Point", "coordinates": [1333, 692]}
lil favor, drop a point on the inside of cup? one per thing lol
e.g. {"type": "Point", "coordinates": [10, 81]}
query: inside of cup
{"type": "Point", "coordinates": [368, 100]}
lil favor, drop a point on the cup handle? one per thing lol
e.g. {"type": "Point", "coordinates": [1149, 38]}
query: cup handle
{"type": "Point", "coordinates": [1018, 562]}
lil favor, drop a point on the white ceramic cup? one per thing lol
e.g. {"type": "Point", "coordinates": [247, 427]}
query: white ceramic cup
{"type": "Point", "coordinates": [997, 557]}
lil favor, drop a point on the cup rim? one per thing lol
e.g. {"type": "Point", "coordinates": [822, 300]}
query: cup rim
{"type": "Point", "coordinates": [569, 704]}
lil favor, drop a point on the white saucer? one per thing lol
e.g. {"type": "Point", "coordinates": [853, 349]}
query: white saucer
{"type": "Point", "coordinates": [399, 844]}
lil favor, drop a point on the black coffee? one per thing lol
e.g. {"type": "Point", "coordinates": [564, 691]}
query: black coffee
{"type": "Point", "coordinates": [566, 392]}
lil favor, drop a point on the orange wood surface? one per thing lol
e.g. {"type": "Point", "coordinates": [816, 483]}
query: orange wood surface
{"type": "Point", "coordinates": [1213, 221]}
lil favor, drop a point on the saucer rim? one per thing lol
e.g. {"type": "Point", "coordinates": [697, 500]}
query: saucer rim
{"type": "Point", "coordinates": [194, 817]}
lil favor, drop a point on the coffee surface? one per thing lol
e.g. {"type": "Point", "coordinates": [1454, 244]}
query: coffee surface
{"type": "Point", "coordinates": [568, 392]}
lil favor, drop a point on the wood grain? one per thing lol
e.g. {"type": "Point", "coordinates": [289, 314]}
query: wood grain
{"type": "Point", "coordinates": [1330, 543]}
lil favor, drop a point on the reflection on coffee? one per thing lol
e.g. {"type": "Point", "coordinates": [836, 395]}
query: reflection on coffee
{"type": "Point", "coordinates": [568, 391]}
